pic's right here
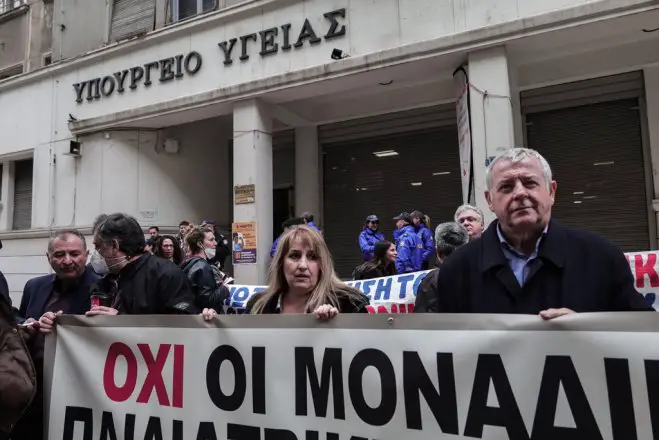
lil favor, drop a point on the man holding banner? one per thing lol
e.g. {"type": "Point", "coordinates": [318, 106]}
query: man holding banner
{"type": "Point", "coordinates": [525, 262]}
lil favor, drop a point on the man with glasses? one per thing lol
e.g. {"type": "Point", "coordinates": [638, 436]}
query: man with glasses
{"type": "Point", "coordinates": [369, 236]}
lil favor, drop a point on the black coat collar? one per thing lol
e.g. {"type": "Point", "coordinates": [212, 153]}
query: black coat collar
{"type": "Point", "coordinates": [552, 248]}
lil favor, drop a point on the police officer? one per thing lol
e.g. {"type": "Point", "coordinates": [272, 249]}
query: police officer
{"type": "Point", "coordinates": [408, 245]}
{"type": "Point", "coordinates": [420, 223]}
{"type": "Point", "coordinates": [369, 236]}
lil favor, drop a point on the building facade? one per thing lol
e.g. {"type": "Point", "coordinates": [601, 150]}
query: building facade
{"type": "Point", "coordinates": [343, 108]}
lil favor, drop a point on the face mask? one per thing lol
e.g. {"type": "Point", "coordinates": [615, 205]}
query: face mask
{"type": "Point", "coordinates": [98, 263]}
{"type": "Point", "coordinates": [210, 253]}
{"type": "Point", "coordinates": [101, 266]}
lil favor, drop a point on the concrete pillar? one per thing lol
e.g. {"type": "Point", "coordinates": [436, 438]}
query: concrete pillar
{"type": "Point", "coordinates": [252, 164]}
{"type": "Point", "coordinates": [492, 125]}
{"type": "Point", "coordinates": [651, 76]}
{"type": "Point", "coordinates": [7, 196]}
{"type": "Point", "coordinates": [34, 58]}
{"type": "Point", "coordinates": [307, 171]}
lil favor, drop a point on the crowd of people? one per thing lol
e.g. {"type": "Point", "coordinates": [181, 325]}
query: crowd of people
{"type": "Point", "coordinates": [523, 262]}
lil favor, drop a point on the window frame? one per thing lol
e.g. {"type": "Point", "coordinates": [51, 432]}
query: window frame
{"type": "Point", "coordinates": [176, 10]}
{"type": "Point", "coordinates": [12, 71]}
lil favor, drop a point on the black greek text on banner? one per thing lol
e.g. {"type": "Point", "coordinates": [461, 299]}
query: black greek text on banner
{"type": "Point", "coordinates": [589, 376]}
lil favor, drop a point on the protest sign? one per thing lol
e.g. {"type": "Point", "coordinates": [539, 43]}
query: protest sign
{"type": "Point", "coordinates": [243, 242]}
{"type": "Point", "coordinates": [397, 294]}
{"type": "Point", "coordinates": [358, 377]}
{"type": "Point", "coordinates": [394, 294]}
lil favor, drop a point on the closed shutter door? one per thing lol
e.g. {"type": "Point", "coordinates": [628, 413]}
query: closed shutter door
{"type": "Point", "coordinates": [596, 154]}
{"type": "Point", "coordinates": [22, 195]}
{"type": "Point", "coordinates": [131, 18]}
{"type": "Point", "coordinates": [425, 175]}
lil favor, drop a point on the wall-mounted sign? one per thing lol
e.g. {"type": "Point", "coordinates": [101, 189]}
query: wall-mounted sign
{"type": "Point", "coordinates": [244, 194]}
{"type": "Point", "coordinates": [461, 81]}
{"type": "Point", "coordinates": [267, 42]}
{"type": "Point", "coordinates": [243, 242]}
{"type": "Point", "coordinates": [165, 70]}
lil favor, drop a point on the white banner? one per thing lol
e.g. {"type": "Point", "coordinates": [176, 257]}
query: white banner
{"type": "Point", "coordinates": [397, 294]}
{"type": "Point", "coordinates": [492, 377]}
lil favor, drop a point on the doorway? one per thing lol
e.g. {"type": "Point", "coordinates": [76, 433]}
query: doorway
{"type": "Point", "coordinates": [282, 208]}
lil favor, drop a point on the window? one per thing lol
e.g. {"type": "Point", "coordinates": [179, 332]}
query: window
{"type": "Point", "coordinates": [9, 5]}
{"type": "Point", "coordinates": [184, 9]}
{"type": "Point", "coordinates": [47, 59]}
{"type": "Point", "coordinates": [131, 18]}
{"type": "Point", "coordinates": [11, 71]}
{"type": "Point", "coordinates": [22, 195]}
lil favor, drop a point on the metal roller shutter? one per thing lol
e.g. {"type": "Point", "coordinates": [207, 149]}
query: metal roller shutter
{"type": "Point", "coordinates": [131, 18]}
{"type": "Point", "coordinates": [22, 218]}
{"type": "Point", "coordinates": [596, 154]}
{"type": "Point", "coordinates": [358, 183]}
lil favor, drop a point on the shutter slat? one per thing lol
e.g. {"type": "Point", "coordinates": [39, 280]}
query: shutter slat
{"type": "Point", "coordinates": [574, 140]}
{"type": "Point", "coordinates": [131, 18]}
{"type": "Point", "coordinates": [349, 165]}
{"type": "Point", "coordinates": [411, 120]}
{"type": "Point", "coordinates": [591, 91]}
{"type": "Point", "coordinates": [22, 218]}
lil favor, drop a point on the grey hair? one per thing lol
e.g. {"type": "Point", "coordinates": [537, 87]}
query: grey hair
{"type": "Point", "coordinates": [449, 236]}
{"type": "Point", "coordinates": [464, 208]}
{"type": "Point", "coordinates": [517, 155]}
{"type": "Point", "coordinates": [63, 234]}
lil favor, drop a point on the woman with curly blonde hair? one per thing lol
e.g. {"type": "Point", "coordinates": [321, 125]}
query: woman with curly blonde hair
{"type": "Point", "coordinates": [302, 280]}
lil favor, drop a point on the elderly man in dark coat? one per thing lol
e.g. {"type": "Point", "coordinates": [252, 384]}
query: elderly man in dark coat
{"type": "Point", "coordinates": [527, 263]}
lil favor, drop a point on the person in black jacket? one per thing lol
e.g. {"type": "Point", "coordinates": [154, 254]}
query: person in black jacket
{"type": "Point", "coordinates": [139, 283]}
{"type": "Point", "coordinates": [207, 292]}
{"type": "Point", "coordinates": [383, 263]}
{"type": "Point", "coordinates": [222, 248]}
{"type": "Point", "coordinates": [526, 263]}
{"type": "Point", "coordinates": [449, 236]}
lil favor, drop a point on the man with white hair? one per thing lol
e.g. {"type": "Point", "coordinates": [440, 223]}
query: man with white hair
{"type": "Point", "coordinates": [449, 237]}
{"type": "Point", "coordinates": [472, 219]}
{"type": "Point", "coordinates": [527, 263]}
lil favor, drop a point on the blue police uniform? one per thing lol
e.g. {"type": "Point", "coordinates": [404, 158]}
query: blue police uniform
{"type": "Point", "coordinates": [273, 249]}
{"type": "Point", "coordinates": [367, 240]}
{"type": "Point", "coordinates": [410, 248]}
{"type": "Point", "coordinates": [427, 242]}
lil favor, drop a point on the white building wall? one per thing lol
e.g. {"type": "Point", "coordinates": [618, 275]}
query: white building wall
{"type": "Point", "coordinates": [131, 172]}
{"type": "Point", "coordinates": [371, 27]}
{"type": "Point", "coordinates": [125, 173]}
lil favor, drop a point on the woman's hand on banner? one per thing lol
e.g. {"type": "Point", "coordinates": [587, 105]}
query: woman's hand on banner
{"type": "Point", "coordinates": [325, 312]}
{"type": "Point", "coordinates": [102, 310]}
{"type": "Point", "coordinates": [208, 314]}
{"type": "Point", "coordinates": [555, 313]}
{"type": "Point", "coordinates": [47, 321]}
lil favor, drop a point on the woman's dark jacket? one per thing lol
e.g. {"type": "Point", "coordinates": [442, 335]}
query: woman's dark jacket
{"type": "Point", "coordinates": [347, 304]}
{"type": "Point", "coordinates": [207, 293]}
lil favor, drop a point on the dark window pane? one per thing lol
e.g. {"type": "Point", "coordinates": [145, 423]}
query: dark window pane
{"type": "Point", "coordinates": [187, 9]}
{"type": "Point", "coordinates": [209, 5]}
